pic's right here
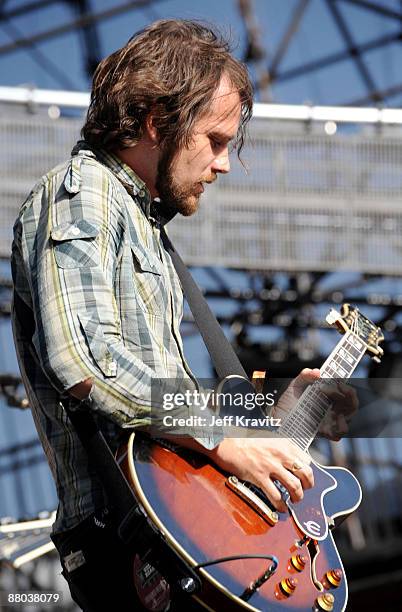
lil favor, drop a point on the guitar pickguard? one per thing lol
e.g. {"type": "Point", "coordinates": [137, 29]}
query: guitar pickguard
{"type": "Point", "coordinates": [311, 514]}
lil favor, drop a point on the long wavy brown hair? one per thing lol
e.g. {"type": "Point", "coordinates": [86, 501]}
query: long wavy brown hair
{"type": "Point", "coordinates": [171, 69]}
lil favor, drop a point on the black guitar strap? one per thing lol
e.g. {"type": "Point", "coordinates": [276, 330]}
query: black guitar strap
{"type": "Point", "coordinates": [223, 357]}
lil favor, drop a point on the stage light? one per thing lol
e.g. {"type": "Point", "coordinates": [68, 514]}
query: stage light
{"type": "Point", "coordinates": [330, 128]}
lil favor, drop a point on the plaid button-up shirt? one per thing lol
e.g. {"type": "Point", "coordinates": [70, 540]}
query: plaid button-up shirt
{"type": "Point", "coordinates": [96, 296]}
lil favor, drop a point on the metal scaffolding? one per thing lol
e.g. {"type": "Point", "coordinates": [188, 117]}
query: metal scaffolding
{"type": "Point", "coordinates": [268, 62]}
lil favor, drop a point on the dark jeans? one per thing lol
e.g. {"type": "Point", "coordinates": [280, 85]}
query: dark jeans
{"type": "Point", "coordinates": [100, 577]}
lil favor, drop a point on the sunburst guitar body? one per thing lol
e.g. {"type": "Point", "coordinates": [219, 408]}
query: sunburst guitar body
{"type": "Point", "coordinates": [247, 555]}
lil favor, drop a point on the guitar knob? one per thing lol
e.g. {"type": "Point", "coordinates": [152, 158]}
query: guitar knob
{"type": "Point", "coordinates": [298, 562]}
{"type": "Point", "coordinates": [334, 577]}
{"type": "Point", "coordinates": [288, 586]}
{"type": "Point", "coordinates": [325, 602]}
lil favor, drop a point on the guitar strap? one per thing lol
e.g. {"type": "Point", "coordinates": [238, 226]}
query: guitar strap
{"type": "Point", "coordinates": [223, 356]}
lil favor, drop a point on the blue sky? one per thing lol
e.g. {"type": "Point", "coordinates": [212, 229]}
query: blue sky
{"type": "Point", "coordinates": [317, 36]}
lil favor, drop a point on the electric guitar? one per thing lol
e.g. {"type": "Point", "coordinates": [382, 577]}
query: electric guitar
{"type": "Point", "coordinates": [247, 555]}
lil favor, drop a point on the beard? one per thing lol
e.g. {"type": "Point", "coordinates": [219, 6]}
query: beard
{"type": "Point", "coordinates": [175, 198]}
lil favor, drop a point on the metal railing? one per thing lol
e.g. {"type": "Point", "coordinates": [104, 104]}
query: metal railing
{"type": "Point", "coordinates": [313, 198]}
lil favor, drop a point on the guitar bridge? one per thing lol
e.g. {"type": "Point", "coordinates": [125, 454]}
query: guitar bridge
{"type": "Point", "coordinates": [250, 494]}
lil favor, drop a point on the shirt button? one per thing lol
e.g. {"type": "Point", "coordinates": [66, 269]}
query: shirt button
{"type": "Point", "coordinates": [75, 231]}
{"type": "Point", "coordinates": [141, 193]}
{"type": "Point", "coordinates": [112, 368]}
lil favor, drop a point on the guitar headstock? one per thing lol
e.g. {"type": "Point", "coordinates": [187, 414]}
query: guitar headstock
{"type": "Point", "coordinates": [351, 319]}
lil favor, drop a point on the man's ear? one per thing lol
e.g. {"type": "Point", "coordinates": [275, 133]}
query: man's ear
{"type": "Point", "coordinates": [151, 130]}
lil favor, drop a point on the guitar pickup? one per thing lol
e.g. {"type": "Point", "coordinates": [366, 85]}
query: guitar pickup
{"type": "Point", "coordinates": [253, 499]}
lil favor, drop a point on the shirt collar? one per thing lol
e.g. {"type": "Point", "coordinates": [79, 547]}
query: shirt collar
{"type": "Point", "coordinates": [132, 183]}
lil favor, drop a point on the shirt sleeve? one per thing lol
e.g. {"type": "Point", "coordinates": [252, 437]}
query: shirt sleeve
{"type": "Point", "coordinates": [71, 244]}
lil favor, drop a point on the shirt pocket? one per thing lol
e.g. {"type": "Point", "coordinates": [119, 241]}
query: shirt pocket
{"type": "Point", "coordinates": [97, 344]}
{"type": "Point", "coordinates": [150, 287]}
{"type": "Point", "coordinates": [75, 244]}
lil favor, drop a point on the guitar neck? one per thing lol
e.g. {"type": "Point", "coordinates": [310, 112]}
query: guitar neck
{"type": "Point", "coordinates": [303, 421]}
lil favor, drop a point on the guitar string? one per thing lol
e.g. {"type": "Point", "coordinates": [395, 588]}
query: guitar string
{"type": "Point", "coordinates": [298, 425]}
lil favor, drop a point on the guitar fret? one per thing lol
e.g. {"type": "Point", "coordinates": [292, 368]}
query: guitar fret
{"type": "Point", "coordinates": [319, 396]}
{"type": "Point", "coordinates": [346, 356]}
{"type": "Point", "coordinates": [346, 366]}
{"type": "Point", "coordinates": [353, 351]}
{"type": "Point", "coordinates": [340, 367]}
{"type": "Point", "coordinates": [312, 416]}
{"type": "Point", "coordinates": [302, 423]}
{"type": "Point", "coordinates": [300, 426]}
{"type": "Point", "coordinates": [301, 442]}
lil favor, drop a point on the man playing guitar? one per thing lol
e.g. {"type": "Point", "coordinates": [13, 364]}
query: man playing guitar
{"type": "Point", "coordinates": [97, 302]}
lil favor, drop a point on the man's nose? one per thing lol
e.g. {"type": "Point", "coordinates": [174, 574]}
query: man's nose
{"type": "Point", "coordinates": [221, 163]}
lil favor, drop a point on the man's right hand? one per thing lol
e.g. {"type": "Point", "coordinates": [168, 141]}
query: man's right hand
{"type": "Point", "coordinates": [263, 460]}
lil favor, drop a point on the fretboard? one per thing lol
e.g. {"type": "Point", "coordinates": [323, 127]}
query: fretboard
{"type": "Point", "coordinates": [304, 419]}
